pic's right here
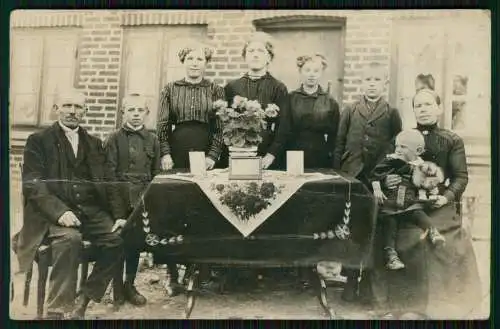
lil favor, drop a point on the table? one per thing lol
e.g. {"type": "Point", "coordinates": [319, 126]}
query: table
{"type": "Point", "coordinates": [176, 220]}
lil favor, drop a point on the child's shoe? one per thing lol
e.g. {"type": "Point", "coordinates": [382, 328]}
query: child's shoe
{"type": "Point", "coordinates": [393, 260]}
{"type": "Point", "coordinates": [436, 238]}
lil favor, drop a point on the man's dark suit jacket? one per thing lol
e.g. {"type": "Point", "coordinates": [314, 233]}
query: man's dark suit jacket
{"type": "Point", "coordinates": [47, 185]}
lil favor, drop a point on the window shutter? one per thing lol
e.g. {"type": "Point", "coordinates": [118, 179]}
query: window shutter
{"type": "Point", "coordinates": [142, 68]}
{"type": "Point", "coordinates": [26, 65]}
{"type": "Point", "coordinates": [59, 69]}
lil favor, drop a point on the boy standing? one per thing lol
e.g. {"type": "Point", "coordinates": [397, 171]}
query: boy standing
{"type": "Point", "coordinates": [365, 135]}
{"type": "Point", "coordinates": [132, 161]}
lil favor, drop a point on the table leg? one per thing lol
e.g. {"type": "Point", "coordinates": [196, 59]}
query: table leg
{"type": "Point", "coordinates": [193, 273]}
{"type": "Point", "coordinates": [322, 296]}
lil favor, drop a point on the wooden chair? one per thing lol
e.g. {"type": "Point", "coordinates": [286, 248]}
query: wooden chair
{"type": "Point", "coordinates": [43, 258]}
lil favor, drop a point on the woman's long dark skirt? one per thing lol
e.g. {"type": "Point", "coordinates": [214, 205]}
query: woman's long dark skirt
{"type": "Point", "coordinates": [315, 148]}
{"type": "Point", "coordinates": [188, 137]}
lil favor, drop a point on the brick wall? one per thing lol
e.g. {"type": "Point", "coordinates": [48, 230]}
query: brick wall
{"type": "Point", "coordinates": [99, 69]}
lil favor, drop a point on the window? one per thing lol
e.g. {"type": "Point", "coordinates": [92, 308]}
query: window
{"type": "Point", "coordinates": [150, 61]}
{"type": "Point", "coordinates": [468, 80]}
{"type": "Point", "coordinates": [42, 62]}
{"type": "Point", "coordinates": [457, 54]}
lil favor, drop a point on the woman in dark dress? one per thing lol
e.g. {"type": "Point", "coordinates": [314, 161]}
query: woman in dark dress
{"type": "Point", "coordinates": [315, 115]}
{"type": "Point", "coordinates": [258, 84]}
{"type": "Point", "coordinates": [186, 121]}
{"type": "Point", "coordinates": [444, 282]}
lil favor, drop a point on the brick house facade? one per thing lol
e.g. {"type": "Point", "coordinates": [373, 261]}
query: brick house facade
{"type": "Point", "coordinates": [110, 53]}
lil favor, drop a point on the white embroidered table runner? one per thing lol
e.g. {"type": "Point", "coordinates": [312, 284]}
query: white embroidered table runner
{"type": "Point", "coordinates": [269, 194]}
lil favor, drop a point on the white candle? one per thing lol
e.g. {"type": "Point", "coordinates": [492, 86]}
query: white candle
{"type": "Point", "coordinates": [295, 162]}
{"type": "Point", "coordinates": [197, 163]}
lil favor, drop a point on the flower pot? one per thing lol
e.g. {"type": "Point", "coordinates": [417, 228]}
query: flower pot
{"type": "Point", "coordinates": [250, 151]}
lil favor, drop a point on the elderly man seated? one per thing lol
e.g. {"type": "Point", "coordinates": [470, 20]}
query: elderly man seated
{"type": "Point", "coordinates": [65, 202]}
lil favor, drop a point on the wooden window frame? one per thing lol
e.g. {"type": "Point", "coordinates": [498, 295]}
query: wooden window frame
{"type": "Point", "coordinates": [164, 30]}
{"type": "Point", "coordinates": [43, 33]}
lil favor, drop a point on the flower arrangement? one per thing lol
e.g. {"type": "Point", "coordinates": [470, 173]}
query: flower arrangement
{"type": "Point", "coordinates": [244, 120]}
{"type": "Point", "coordinates": [247, 200]}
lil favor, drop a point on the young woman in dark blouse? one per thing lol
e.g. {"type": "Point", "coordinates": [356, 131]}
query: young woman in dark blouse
{"type": "Point", "coordinates": [186, 121]}
{"type": "Point", "coordinates": [315, 115]}
{"type": "Point", "coordinates": [258, 84]}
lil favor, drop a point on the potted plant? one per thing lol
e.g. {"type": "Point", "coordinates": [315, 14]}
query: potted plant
{"type": "Point", "coordinates": [243, 122]}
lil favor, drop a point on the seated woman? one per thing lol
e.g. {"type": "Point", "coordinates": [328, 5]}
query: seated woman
{"type": "Point", "coordinates": [315, 115]}
{"type": "Point", "coordinates": [444, 282]}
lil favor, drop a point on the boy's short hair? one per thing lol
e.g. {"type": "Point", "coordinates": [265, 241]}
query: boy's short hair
{"type": "Point", "coordinates": [134, 98]}
{"type": "Point", "coordinates": [413, 135]}
{"type": "Point", "coordinates": [375, 66]}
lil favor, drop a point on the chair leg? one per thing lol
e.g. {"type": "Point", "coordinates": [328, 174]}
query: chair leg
{"type": "Point", "coordinates": [43, 272]}
{"type": "Point", "coordinates": [84, 274]}
{"type": "Point", "coordinates": [27, 285]}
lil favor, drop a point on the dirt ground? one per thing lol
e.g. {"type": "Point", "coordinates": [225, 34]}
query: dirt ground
{"type": "Point", "coordinates": [269, 300]}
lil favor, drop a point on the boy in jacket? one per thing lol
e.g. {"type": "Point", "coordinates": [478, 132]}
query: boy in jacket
{"type": "Point", "coordinates": [132, 161]}
{"type": "Point", "coordinates": [366, 133]}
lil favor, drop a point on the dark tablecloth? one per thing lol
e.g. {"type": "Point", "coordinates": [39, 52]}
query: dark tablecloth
{"type": "Point", "coordinates": [177, 207]}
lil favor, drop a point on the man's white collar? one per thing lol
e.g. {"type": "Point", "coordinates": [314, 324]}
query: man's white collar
{"type": "Point", "coordinates": [68, 129]}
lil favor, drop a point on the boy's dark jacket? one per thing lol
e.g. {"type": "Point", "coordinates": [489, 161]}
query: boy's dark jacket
{"type": "Point", "coordinates": [117, 164]}
{"type": "Point", "coordinates": [365, 136]}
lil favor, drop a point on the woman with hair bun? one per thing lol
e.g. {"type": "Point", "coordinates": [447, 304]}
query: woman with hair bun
{"type": "Point", "coordinates": [186, 121]}
{"type": "Point", "coordinates": [315, 115]}
{"type": "Point", "coordinates": [258, 84]}
{"type": "Point", "coordinates": [186, 105]}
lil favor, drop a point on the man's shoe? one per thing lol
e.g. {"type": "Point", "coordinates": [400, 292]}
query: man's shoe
{"type": "Point", "coordinates": [133, 296]}
{"type": "Point", "coordinates": [81, 304]}
{"type": "Point", "coordinates": [118, 295]}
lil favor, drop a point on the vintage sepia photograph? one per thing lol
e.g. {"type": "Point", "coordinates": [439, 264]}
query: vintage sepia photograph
{"type": "Point", "coordinates": [250, 164]}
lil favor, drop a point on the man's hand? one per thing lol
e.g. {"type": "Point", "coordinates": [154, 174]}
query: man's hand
{"type": "Point", "coordinates": [267, 160]}
{"type": "Point", "coordinates": [392, 181]}
{"type": "Point", "coordinates": [166, 162]}
{"type": "Point", "coordinates": [209, 163]}
{"type": "Point", "coordinates": [68, 219]}
{"type": "Point", "coordinates": [119, 223]}
{"type": "Point", "coordinates": [439, 200]}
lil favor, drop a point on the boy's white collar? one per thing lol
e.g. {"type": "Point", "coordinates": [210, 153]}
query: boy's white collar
{"type": "Point", "coordinates": [133, 128]}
